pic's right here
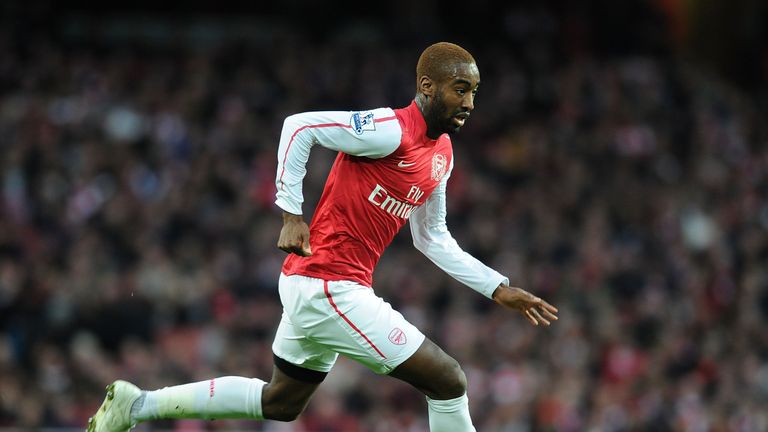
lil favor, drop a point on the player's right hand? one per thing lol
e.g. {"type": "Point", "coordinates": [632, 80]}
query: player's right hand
{"type": "Point", "coordinates": [294, 236]}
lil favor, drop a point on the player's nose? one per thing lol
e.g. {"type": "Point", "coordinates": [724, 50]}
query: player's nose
{"type": "Point", "coordinates": [468, 102]}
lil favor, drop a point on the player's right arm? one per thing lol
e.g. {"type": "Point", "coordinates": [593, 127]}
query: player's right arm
{"type": "Point", "coordinates": [374, 134]}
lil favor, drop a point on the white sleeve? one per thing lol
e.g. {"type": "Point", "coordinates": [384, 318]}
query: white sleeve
{"type": "Point", "coordinates": [372, 134]}
{"type": "Point", "coordinates": [431, 237]}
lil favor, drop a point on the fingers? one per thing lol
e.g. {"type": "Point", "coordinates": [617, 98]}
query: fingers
{"type": "Point", "coordinates": [298, 250]}
{"type": "Point", "coordinates": [536, 310]}
{"type": "Point", "coordinates": [545, 311]}
{"type": "Point", "coordinates": [530, 317]}
{"type": "Point", "coordinates": [549, 315]}
{"type": "Point", "coordinates": [541, 313]}
{"type": "Point", "coordinates": [548, 307]}
{"type": "Point", "coordinates": [303, 250]}
{"type": "Point", "coordinates": [538, 317]}
{"type": "Point", "coordinates": [295, 240]}
{"type": "Point", "coordinates": [306, 250]}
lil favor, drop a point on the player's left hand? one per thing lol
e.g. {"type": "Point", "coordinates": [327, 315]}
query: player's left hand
{"type": "Point", "coordinates": [536, 310]}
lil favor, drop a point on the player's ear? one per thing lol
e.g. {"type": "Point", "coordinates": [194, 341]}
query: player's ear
{"type": "Point", "coordinates": [426, 86]}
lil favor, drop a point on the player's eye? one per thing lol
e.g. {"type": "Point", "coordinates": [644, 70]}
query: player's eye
{"type": "Point", "coordinates": [461, 92]}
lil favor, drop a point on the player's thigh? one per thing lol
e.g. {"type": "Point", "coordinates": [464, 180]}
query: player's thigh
{"type": "Point", "coordinates": [362, 326]}
{"type": "Point", "coordinates": [433, 372]}
{"type": "Point", "coordinates": [292, 342]}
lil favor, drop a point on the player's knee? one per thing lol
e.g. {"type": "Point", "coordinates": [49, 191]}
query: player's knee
{"type": "Point", "coordinates": [276, 405]}
{"type": "Point", "coordinates": [454, 381]}
{"type": "Point", "coordinates": [281, 410]}
{"type": "Point", "coordinates": [284, 414]}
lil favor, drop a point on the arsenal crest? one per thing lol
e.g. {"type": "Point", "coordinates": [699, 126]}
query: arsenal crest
{"type": "Point", "coordinates": [397, 337]}
{"type": "Point", "coordinates": [439, 166]}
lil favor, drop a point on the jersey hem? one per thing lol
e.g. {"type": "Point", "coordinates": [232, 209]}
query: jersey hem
{"type": "Point", "coordinates": [328, 277]}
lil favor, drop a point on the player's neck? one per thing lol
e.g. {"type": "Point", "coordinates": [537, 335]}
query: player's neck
{"type": "Point", "coordinates": [421, 102]}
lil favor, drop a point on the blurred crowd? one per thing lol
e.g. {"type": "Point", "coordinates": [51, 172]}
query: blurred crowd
{"type": "Point", "coordinates": [138, 233]}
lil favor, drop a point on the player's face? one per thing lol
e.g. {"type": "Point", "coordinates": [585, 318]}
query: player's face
{"type": "Point", "coordinates": [454, 99]}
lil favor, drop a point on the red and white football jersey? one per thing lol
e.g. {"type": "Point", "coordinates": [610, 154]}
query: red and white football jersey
{"type": "Point", "coordinates": [386, 173]}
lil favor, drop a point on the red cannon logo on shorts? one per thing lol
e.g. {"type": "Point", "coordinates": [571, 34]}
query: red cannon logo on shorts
{"type": "Point", "coordinates": [397, 336]}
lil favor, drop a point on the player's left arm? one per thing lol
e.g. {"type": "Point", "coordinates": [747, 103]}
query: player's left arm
{"type": "Point", "coordinates": [431, 237]}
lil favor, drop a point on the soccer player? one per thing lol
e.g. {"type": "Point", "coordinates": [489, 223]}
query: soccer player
{"type": "Point", "coordinates": [392, 167]}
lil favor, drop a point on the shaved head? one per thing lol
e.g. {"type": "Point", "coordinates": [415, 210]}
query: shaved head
{"type": "Point", "coordinates": [438, 61]}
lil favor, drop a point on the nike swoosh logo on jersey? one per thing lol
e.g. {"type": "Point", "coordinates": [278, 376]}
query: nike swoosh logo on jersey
{"type": "Point", "coordinates": [402, 164]}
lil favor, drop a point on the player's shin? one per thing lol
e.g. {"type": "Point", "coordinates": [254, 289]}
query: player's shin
{"type": "Point", "coordinates": [219, 398]}
{"type": "Point", "coordinates": [450, 415]}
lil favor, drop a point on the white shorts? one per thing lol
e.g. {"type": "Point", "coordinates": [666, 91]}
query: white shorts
{"type": "Point", "coordinates": [322, 319]}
